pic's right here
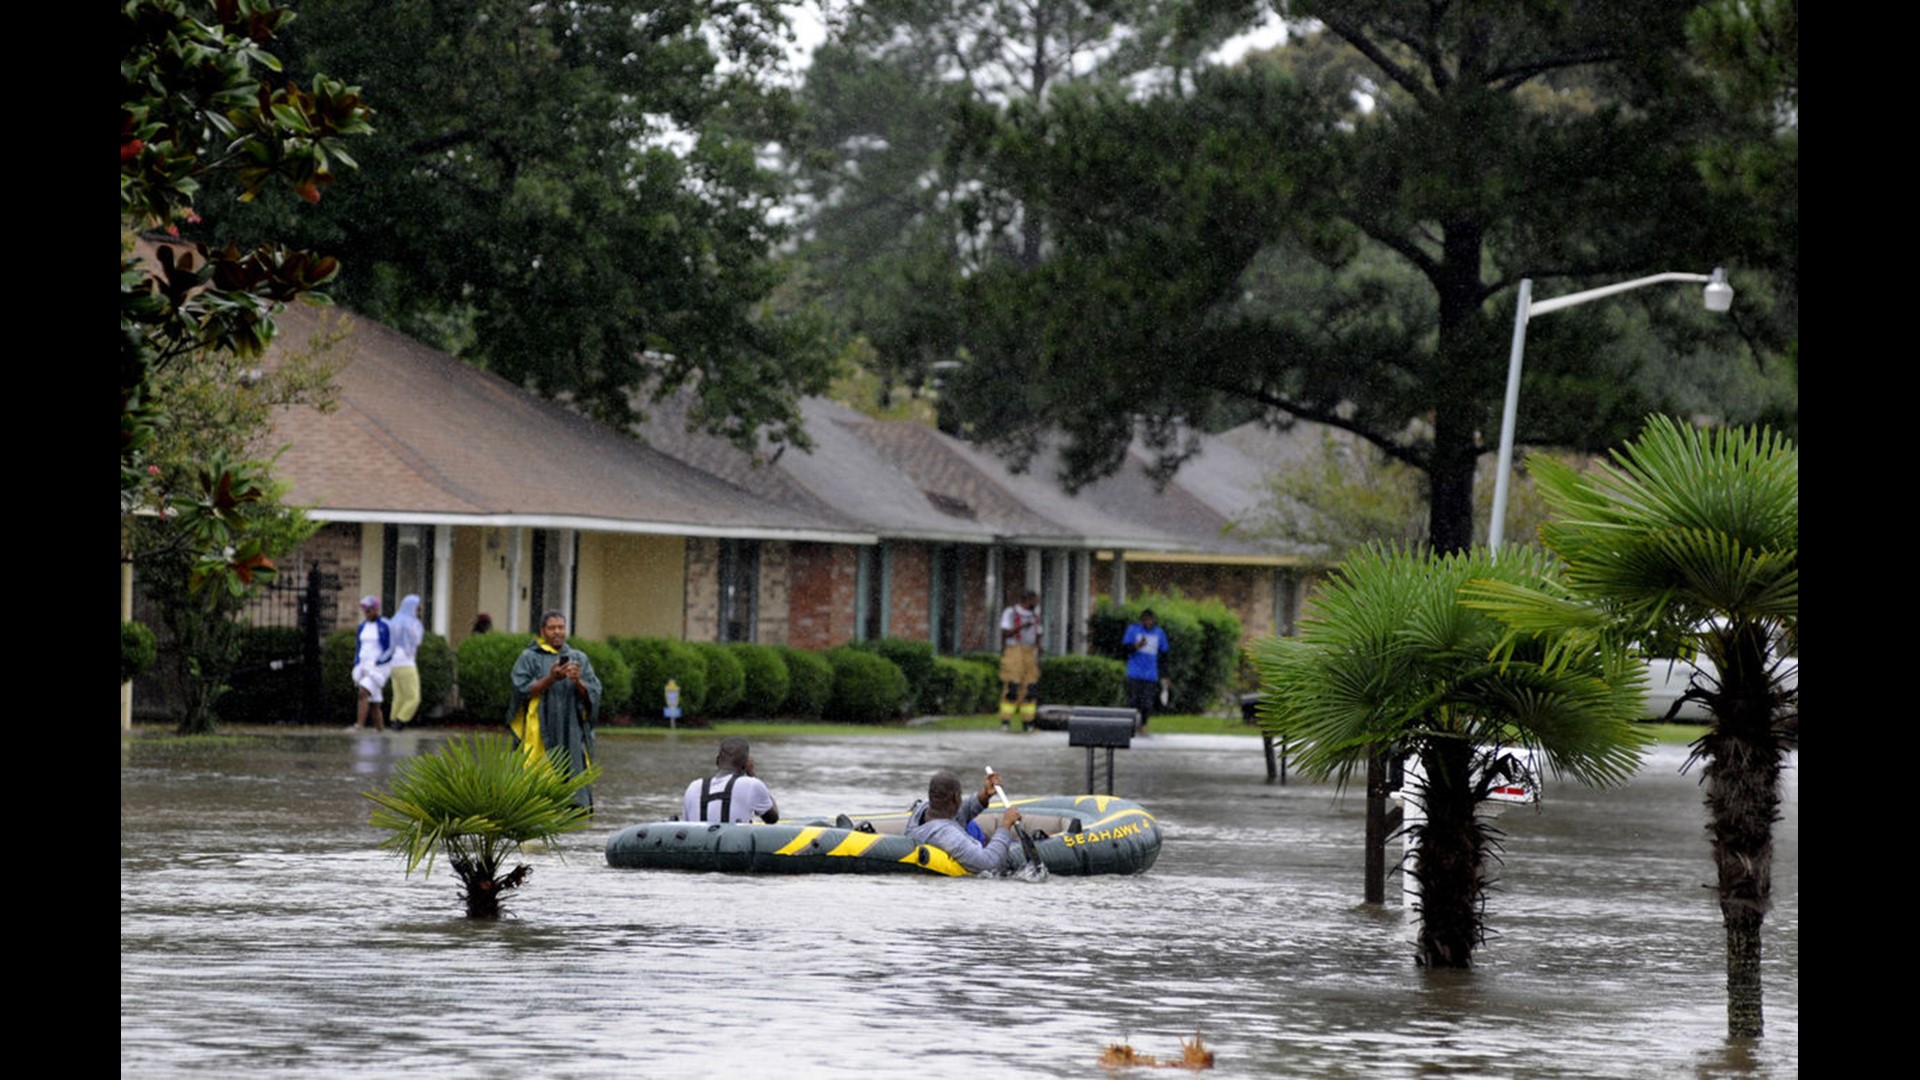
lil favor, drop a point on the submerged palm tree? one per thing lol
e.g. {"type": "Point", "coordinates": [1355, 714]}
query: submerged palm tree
{"type": "Point", "coordinates": [477, 801]}
{"type": "Point", "coordinates": [1689, 542]}
{"type": "Point", "coordinates": [1389, 658]}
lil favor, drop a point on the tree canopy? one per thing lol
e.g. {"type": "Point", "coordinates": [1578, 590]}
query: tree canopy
{"type": "Point", "coordinates": [890, 228]}
{"type": "Point", "coordinates": [202, 101]}
{"type": "Point", "coordinates": [570, 195]}
{"type": "Point", "coordinates": [1333, 233]}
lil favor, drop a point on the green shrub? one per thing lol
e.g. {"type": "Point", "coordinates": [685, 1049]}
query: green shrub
{"type": "Point", "coordinates": [486, 673]}
{"type": "Point", "coordinates": [256, 693]}
{"type": "Point", "coordinates": [960, 687]}
{"type": "Point", "coordinates": [616, 679]}
{"type": "Point", "coordinates": [1219, 658]}
{"type": "Point", "coordinates": [1203, 638]}
{"type": "Point", "coordinates": [262, 696]}
{"type": "Point", "coordinates": [726, 680]}
{"type": "Point", "coordinates": [435, 660]}
{"type": "Point", "coordinates": [915, 661]}
{"type": "Point", "coordinates": [867, 688]}
{"type": "Point", "coordinates": [991, 659]}
{"type": "Point", "coordinates": [338, 696]}
{"type": "Point", "coordinates": [809, 683]}
{"type": "Point", "coordinates": [1082, 680]}
{"type": "Point", "coordinates": [767, 680]}
{"type": "Point", "coordinates": [138, 650]}
{"type": "Point", "coordinates": [653, 661]}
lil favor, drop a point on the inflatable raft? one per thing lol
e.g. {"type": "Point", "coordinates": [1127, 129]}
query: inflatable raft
{"type": "Point", "coordinates": [1074, 835]}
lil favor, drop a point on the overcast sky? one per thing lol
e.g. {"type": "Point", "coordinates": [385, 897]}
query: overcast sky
{"type": "Point", "coordinates": [808, 33]}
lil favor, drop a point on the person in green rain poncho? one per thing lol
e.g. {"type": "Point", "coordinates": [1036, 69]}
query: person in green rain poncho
{"type": "Point", "coordinates": [556, 698]}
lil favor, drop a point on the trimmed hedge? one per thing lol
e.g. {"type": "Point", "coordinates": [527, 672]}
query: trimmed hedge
{"type": "Point", "coordinates": [726, 680]}
{"type": "Point", "coordinates": [767, 680]}
{"type": "Point", "coordinates": [1204, 641]}
{"type": "Point", "coordinates": [338, 696]}
{"type": "Point", "coordinates": [486, 673]}
{"type": "Point", "coordinates": [616, 678]}
{"type": "Point", "coordinates": [915, 661]}
{"type": "Point", "coordinates": [961, 687]}
{"type": "Point", "coordinates": [653, 661]}
{"type": "Point", "coordinates": [867, 687]}
{"type": "Point", "coordinates": [809, 683]}
{"type": "Point", "coordinates": [1082, 680]}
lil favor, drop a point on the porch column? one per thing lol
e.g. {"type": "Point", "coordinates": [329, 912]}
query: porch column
{"type": "Point", "coordinates": [564, 542]}
{"type": "Point", "coordinates": [995, 597]}
{"type": "Point", "coordinates": [1082, 594]}
{"type": "Point", "coordinates": [516, 599]}
{"type": "Point", "coordinates": [1119, 576]}
{"type": "Point", "coordinates": [442, 577]}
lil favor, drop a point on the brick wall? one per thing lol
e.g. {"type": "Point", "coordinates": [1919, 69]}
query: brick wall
{"type": "Point", "coordinates": [771, 624]}
{"type": "Point", "coordinates": [821, 580]}
{"type": "Point", "coordinates": [703, 589]}
{"type": "Point", "coordinates": [909, 591]}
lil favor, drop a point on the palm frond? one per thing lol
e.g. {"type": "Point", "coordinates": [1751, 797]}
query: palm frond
{"type": "Point", "coordinates": [1402, 651]}
{"type": "Point", "coordinates": [479, 791]}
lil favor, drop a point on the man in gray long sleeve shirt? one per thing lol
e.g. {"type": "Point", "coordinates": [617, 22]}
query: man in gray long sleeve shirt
{"type": "Point", "coordinates": [942, 822]}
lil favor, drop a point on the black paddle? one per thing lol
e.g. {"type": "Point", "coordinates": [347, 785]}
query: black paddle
{"type": "Point", "coordinates": [1035, 868]}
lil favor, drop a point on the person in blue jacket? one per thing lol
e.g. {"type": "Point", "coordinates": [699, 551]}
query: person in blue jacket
{"type": "Point", "coordinates": [372, 665]}
{"type": "Point", "coordinates": [1145, 644]}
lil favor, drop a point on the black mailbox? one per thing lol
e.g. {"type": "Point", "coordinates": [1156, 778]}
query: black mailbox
{"type": "Point", "coordinates": [1101, 727]}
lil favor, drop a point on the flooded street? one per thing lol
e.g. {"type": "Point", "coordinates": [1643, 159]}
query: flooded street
{"type": "Point", "coordinates": [263, 932]}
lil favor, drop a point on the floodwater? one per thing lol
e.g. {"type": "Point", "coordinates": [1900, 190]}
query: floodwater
{"type": "Point", "coordinates": [262, 931]}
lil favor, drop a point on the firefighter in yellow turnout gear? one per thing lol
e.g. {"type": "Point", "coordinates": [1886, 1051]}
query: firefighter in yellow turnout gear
{"type": "Point", "coordinates": [1020, 632]}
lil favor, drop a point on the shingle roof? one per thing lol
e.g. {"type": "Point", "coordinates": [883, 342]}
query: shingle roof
{"type": "Point", "coordinates": [420, 434]}
{"type": "Point", "coordinates": [907, 480]}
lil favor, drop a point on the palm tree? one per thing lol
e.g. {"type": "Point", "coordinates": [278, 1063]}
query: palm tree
{"type": "Point", "coordinates": [1689, 543]}
{"type": "Point", "coordinates": [1389, 658]}
{"type": "Point", "coordinates": [477, 801]}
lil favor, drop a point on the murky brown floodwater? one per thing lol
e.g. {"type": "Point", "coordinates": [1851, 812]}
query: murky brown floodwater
{"type": "Point", "coordinates": [262, 932]}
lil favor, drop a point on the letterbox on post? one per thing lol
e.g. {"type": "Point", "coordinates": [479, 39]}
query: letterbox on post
{"type": "Point", "coordinates": [1096, 727]}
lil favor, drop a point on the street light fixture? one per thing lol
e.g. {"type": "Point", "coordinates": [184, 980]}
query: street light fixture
{"type": "Point", "coordinates": [1718, 297]}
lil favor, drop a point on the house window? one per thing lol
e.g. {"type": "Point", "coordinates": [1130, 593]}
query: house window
{"type": "Point", "coordinates": [871, 588]}
{"type": "Point", "coordinates": [739, 589]}
{"type": "Point", "coordinates": [407, 567]}
{"type": "Point", "coordinates": [945, 608]}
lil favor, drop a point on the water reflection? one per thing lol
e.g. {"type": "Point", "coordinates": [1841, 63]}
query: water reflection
{"type": "Point", "coordinates": [262, 931]}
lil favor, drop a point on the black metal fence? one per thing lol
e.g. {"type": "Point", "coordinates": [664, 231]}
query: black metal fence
{"type": "Point", "coordinates": [282, 668]}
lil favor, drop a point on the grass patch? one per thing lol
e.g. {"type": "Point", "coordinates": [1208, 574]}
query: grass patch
{"type": "Point", "coordinates": [1675, 734]}
{"type": "Point", "coordinates": [1182, 724]}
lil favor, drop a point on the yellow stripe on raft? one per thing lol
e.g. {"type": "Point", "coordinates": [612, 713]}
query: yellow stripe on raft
{"type": "Point", "coordinates": [932, 858]}
{"type": "Point", "coordinates": [807, 836]}
{"type": "Point", "coordinates": [856, 843]}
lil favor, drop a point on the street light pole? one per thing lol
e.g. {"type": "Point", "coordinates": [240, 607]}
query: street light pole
{"type": "Point", "coordinates": [1718, 297]}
